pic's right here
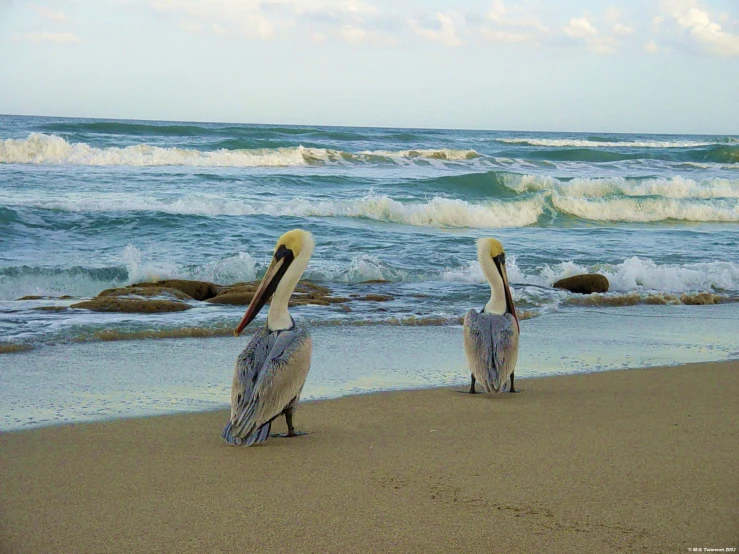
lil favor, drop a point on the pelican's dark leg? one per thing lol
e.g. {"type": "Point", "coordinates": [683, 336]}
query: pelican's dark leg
{"type": "Point", "coordinates": [513, 389]}
{"type": "Point", "coordinates": [289, 420]}
{"type": "Point", "coordinates": [288, 413]}
{"type": "Point", "coordinates": [472, 386]}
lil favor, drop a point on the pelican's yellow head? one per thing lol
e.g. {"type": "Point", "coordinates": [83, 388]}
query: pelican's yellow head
{"type": "Point", "coordinates": [292, 252]}
{"type": "Point", "coordinates": [296, 241]}
{"type": "Point", "coordinates": [489, 247]}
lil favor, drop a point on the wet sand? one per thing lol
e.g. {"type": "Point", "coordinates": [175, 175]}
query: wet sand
{"type": "Point", "coordinates": [633, 460]}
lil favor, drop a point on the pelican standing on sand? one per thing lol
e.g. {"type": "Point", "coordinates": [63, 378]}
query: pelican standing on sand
{"type": "Point", "coordinates": [491, 337]}
{"type": "Point", "coordinates": [271, 370]}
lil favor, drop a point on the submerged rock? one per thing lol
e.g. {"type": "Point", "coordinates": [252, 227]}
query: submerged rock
{"type": "Point", "coordinates": [131, 305]}
{"type": "Point", "coordinates": [584, 284]}
{"type": "Point", "coordinates": [372, 297]}
{"type": "Point", "coordinates": [698, 299]}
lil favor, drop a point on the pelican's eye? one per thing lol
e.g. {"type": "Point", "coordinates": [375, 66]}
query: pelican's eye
{"type": "Point", "coordinates": [501, 257]}
{"type": "Point", "coordinates": [281, 252]}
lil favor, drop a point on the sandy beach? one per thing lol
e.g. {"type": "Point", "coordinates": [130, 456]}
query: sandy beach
{"type": "Point", "coordinates": [633, 460]}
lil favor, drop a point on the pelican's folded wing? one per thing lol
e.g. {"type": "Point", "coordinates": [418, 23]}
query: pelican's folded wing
{"type": "Point", "coordinates": [491, 345]}
{"type": "Point", "coordinates": [270, 373]}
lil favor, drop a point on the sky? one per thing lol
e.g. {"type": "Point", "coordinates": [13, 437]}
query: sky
{"type": "Point", "coordinates": [643, 66]}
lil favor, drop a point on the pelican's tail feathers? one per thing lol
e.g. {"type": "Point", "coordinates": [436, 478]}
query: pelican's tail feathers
{"type": "Point", "coordinates": [255, 437]}
{"type": "Point", "coordinates": [228, 435]}
{"type": "Point", "coordinates": [260, 435]}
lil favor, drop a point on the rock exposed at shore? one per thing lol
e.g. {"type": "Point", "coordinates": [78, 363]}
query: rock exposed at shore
{"type": "Point", "coordinates": [131, 305]}
{"type": "Point", "coordinates": [584, 284]}
{"type": "Point", "coordinates": [199, 290]}
{"type": "Point", "coordinates": [146, 291]}
{"type": "Point", "coordinates": [171, 295]}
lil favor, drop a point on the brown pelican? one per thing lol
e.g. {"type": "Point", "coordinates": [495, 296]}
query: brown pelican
{"type": "Point", "coordinates": [491, 337]}
{"type": "Point", "coordinates": [271, 370]}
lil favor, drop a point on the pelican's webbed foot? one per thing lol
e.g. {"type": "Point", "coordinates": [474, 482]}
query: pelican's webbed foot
{"type": "Point", "coordinates": [288, 435]}
{"type": "Point", "coordinates": [291, 432]}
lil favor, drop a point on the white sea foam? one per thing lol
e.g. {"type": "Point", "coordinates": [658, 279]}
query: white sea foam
{"type": "Point", "coordinates": [579, 143]}
{"type": "Point", "coordinates": [439, 212]}
{"type": "Point", "coordinates": [364, 267]}
{"type": "Point", "coordinates": [241, 267]}
{"type": "Point", "coordinates": [430, 154]}
{"type": "Point", "coordinates": [673, 187]}
{"type": "Point", "coordinates": [41, 148]}
{"type": "Point", "coordinates": [644, 210]}
{"type": "Point", "coordinates": [633, 274]}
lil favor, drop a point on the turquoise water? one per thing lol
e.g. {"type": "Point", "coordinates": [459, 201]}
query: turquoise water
{"type": "Point", "coordinates": [87, 205]}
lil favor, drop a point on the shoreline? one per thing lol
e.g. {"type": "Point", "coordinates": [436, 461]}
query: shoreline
{"type": "Point", "coordinates": [626, 460]}
{"type": "Point", "coordinates": [121, 379]}
{"type": "Point", "coordinates": [463, 384]}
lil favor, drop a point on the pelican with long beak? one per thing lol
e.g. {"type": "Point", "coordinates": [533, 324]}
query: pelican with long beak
{"type": "Point", "coordinates": [271, 370]}
{"type": "Point", "coordinates": [491, 337]}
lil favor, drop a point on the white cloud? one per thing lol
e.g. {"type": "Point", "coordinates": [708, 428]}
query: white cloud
{"type": "Point", "coordinates": [264, 18]}
{"type": "Point", "coordinates": [619, 29]}
{"type": "Point", "coordinates": [580, 28]}
{"type": "Point", "coordinates": [48, 37]}
{"type": "Point", "coordinates": [446, 34]}
{"type": "Point", "coordinates": [701, 28]}
{"type": "Point", "coordinates": [57, 16]}
{"type": "Point", "coordinates": [517, 16]}
{"type": "Point", "coordinates": [318, 38]}
{"type": "Point", "coordinates": [651, 47]}
{"type": "Point", "coordinates": [613, 14]}
{"type": "Point", "coordinates": [352, 34]}
{"type": "Point", "coordinates": [494, 35]}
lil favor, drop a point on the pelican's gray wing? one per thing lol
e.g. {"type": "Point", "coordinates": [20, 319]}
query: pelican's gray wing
{"type": "Point", "coordinates": [270, 373]}
{"type": "Point", "coordinates": [491, 345]}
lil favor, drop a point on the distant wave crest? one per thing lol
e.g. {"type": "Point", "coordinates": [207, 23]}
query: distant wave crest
{"type": "Point", "coordinates": [40, 148]}
{"type": "Point", "coordinates": [438, 211]}
{"type": "Point", "coordinates": [589, 143]}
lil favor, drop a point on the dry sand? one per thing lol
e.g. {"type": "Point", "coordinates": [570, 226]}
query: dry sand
{"type": "Point", "coordinates": [634, 461]}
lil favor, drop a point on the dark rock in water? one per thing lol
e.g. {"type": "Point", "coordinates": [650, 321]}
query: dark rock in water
{"type": "Point", "coordinates": [241, 294]}
{"type": "Point", "coordinates": [199, 290]}
{"type": "Point", "coordinates": [51, 308]}
{"type": "Point", "coordinates": [148, 291]}
{"type": "Point", "coordinates": [235, 297]}
{"type": "Point", "coordinates": [126, 305]}
{"type": "Point", "coordinates": [584, 284]}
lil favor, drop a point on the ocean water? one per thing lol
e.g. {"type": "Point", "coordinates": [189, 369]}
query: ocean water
{"type": "Point", "coordinates": [87, 205]}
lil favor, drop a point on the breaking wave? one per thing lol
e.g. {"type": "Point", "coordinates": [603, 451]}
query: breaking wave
{"type": "Point", "coordinates": [134, 267]}
{"type": "Point", "coordinates": [436, 212]}
{"type": "Point", "coordinates": [673, 187]}
{"type": "Point", "coordinates": [41, 148]}
{"type": "Point", "coordinates": [633, 274]}
{"type": "Point", "coordinates": [590, 143]}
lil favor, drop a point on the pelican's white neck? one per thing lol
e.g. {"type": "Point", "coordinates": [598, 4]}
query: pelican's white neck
{"type": "Point", "coordinates": [278, 317]}
{"type": "Point", "coordinates": [497, 302]}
